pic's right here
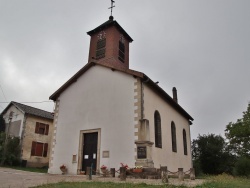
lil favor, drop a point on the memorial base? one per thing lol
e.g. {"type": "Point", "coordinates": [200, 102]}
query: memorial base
{"type": "Point", "coordinates": [144, 154]}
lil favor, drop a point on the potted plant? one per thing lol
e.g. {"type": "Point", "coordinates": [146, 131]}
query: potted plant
{"type": "Point", "coordinates": [63, 168]}
{"type": "Point", "coordinates": [125, 166]}
{"type": "Point", "coordinates": [104, 170]}
{"type": "Point", "coordinates": [137, 169]}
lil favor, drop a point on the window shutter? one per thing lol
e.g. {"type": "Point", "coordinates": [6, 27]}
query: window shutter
{"type": "Point", "coordinates": [33, 149]}
{"type": "Point", "coordinates": [46, 129]}
{"type": "Point", "coordinates": [39, 149]}
{"type": "Point", "coordinates": [45, 150]}
{"type": "Point", "coordinates": [37, 127]}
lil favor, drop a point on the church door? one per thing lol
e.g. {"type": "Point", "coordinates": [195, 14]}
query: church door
{"type": "Point", "coordinates": [89, 151]}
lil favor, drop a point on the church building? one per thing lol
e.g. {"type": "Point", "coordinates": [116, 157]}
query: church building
{"type": "Point", "coordinates": [107, 113]}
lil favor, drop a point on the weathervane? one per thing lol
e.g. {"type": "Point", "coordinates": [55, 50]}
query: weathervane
{"type": "Point", "coordinates": [112, 6]}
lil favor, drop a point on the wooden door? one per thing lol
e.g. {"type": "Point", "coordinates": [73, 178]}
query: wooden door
{"type": "Point", "coordinates": [89, 151]}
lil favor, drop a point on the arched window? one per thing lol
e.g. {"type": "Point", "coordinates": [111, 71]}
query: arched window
{"type": "Point", "coordinates": [184, 141]}
{"type": "Point", "coordinates": [157, 118]}
{"type": "Point", "coordinates": [173, 133]}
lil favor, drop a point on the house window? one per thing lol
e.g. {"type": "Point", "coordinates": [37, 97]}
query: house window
{"type": "Point", "coordinates": [173, 133]}
{"type": "Point", "coordinates": [42, 128]}
{"type": "Point", "coordinates": [157, 119]}
{"type": "Point", "coordinates": [121, 55]}
{"type": "Point", "coordinates": [184, 141]}
{"type": "Point", "coordinates": [100, 48]}
{"type": "Point", "coordinates": [39, 149]}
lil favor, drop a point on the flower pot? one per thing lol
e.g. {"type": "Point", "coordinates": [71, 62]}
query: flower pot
{"type": "Point", "coordinates": [64, 170]}
{"type": "Point", "coordinates": [104, 171]}
{"type": "Point", "coordinates": [137, 170]}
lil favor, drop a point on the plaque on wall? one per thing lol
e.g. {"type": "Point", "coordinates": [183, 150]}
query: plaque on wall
{"type": "Point", "coordinates": [141, 152]}
{"type": "Point", "coordinates": [105, 154]}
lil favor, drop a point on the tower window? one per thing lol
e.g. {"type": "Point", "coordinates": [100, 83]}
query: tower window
{"type": "Point", "coordinates": [121, 55]}
{"type": "Point", "coordinates": [157, 118]}
{"type": "Point", "coordinates": [100, 48]}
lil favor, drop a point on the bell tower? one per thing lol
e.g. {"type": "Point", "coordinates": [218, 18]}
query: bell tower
{"type": "Point", "coordinates": [109, 45]}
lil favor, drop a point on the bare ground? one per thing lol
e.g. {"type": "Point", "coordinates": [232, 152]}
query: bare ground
{"type": "Point", "coordinates": [11, 178]}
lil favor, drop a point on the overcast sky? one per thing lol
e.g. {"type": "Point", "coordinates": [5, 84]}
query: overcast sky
{"type": "Point", "coordinates": [201, 47]}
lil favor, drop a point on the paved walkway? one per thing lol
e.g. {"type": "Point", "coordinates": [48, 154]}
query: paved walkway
{"type": "Point", "coordinates": [11, 178]}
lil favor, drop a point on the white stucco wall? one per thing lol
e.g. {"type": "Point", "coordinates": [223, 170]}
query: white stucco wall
{"type": "Point", "coordinates": [17, 120]}
{"type": "Point", "coordinates": [164, 156]}
{"type": "Point", "coordinates": [99, 99]}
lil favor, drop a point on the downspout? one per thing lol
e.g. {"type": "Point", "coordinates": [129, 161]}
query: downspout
{"type": "Point", "coordinates": [22, 134]}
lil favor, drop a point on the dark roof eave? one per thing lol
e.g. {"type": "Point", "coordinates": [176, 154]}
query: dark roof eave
{"type": "Point", "coordinates": [74, 78]}
{"type": "Point", "coordinates": [166, 97]}
{"type": "Point", "coordinates": [144, 78]}
{"type": "Point", "coordinates": [109, 24]}
{"type": "Point", "coordinates": [25, 109]}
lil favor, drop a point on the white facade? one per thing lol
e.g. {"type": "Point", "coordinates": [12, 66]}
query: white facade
{"type": "Point", "coordinates": [164, 156]}
{"type": "Point", "coordinates": [108, 101]}
{"type": "Point", "coordinates": [100, 100]}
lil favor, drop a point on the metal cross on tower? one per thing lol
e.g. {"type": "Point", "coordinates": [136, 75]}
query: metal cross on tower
{"type": "Point", "coordinates": [112, 6]}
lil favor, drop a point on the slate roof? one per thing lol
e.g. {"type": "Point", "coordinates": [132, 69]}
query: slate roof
{"type": "Point", "coordinates": [110, 23]}
{"type": "Point", "coordinates": [30, 110]}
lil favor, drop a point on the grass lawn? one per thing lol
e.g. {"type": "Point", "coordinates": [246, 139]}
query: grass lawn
{"type": "Point", "coordinates": [30, 169]}
{"type": "Point", "coordinates": [220, 181]}
{"type": "Point", "coordinates": [226, 181]}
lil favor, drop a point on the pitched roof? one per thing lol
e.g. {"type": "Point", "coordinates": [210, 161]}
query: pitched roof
{"type": "Point", "coordinates": [142, 76]}
{"type": "Point", "coordinates": [30, 110]}
{"type": "Point", "coordinates": [110, 23]}
{"type": "Point", "coordinates": [84, 69]}
{"type": "Point", "coordinates": [165, 96]}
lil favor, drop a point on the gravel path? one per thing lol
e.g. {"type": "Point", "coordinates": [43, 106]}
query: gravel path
{"type": "Point", "coordinates": [11, 178]}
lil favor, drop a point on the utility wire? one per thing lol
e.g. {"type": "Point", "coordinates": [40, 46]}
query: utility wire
{"type": "Point", "coordinates": [3, 93]}
{"type": "Point", "coordinates": [29, 102]}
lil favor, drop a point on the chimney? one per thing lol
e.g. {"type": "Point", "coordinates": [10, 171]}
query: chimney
{"type": "Point", "coordinates": [175, 95]}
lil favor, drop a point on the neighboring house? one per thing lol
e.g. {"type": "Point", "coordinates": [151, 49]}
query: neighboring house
{"type": "Point", "coordinates": [34, 128]}
{"type": "Point", "coordinates": [108, 114]}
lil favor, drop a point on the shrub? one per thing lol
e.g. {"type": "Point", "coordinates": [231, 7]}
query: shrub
{"type": "Point", "coordinates": [11, 156]}
{"type": "Point", "coordinates": [242, 167]}
{"type": "Point", "coordinates": [197, 167]}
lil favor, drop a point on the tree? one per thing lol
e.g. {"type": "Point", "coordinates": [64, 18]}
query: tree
{"type": "Point", "coordinates": [242, 167]}
{"type": "Point", "coordinates": [238, 135]}
{"type": "Point", "coordinates": [210, 154]}
{"type": "Point", "coordinates": [2, 124]}
{"type": "Point", "coordinates": [10, 151]}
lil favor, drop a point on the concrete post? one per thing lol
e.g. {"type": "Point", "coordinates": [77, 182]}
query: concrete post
{"type": "Point", "coordinates": [180, 174]}
{"type": "Point", "coordinates": [192, 173]}
{"type": "Point", "coordinates": [122, 173]}
{"type": "Point", "coordinates": [164, 174]}
{"type": "Point", "coordinates": [112, 172]}
{"type": "Point", "coordinates": [88, 172]}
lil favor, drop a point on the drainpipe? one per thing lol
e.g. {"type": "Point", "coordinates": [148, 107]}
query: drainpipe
{"type": "Point", "coordinates": [22, 134]}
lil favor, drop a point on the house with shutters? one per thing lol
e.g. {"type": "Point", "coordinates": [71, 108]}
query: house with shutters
{"type": "Point", "coordinates": [34, 128]}
{"type": "Point", "coordinates": [107, 113]}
